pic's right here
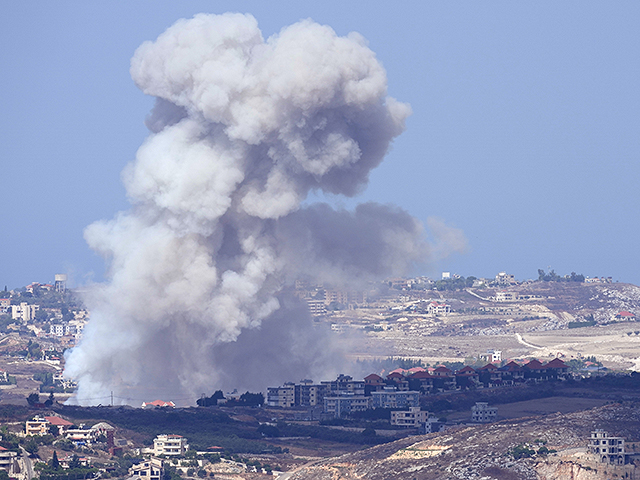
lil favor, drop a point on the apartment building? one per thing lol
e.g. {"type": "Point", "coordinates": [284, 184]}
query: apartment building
{"type": "Point", "coordinates": [345, 403]}
{"type": "Point", "coordinates": [283, 397]}
{"type": "Point", "coordinates": [414, 417]}
{"type": "Point", "coordinates": [481, 412]}
{"type": "Point", "coordinates": [609, 449]}
{"type": "Point", "coordinates": [175, 445]}
{"type": "Point", "coordinates": [24, 312]}
{"type": "Point", "coordinates": [389, 397]}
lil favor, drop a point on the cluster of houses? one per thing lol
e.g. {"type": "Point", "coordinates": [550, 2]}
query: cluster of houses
{"type": "Point", "coordinates": [402, 388]}
{"type": "Point", "coordinates": [165, 445]}
{"type": "Point", "coordinates": [80, 436]}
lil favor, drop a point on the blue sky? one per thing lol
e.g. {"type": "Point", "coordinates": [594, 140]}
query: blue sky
{"type": "Point", "coordinates": [525, 130]}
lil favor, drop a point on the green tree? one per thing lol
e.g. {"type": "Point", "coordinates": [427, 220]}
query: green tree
{"type": "Point", "coordinates": [33, 398]}
{"type": "Point", "coordinates": [74, 462]}
{"type": "Point", "coordinates": [252, 399]}
{"type": "Point", "coordinates": [54, 463]}
{"type": "Point", "coordinates": [31, 446]}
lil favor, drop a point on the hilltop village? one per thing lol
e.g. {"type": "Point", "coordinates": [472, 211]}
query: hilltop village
{"type": "Point", "coordinates": [403, 388]}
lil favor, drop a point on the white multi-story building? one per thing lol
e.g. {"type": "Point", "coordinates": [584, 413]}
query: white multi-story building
{"type": "Point", "coordinates": [436, 308]}
{"type": "Point", "coordinates": [481, 412]}
{"type": "Point", "coordinates": [414, 417]}
{"type": "Point", "coordinates": [60, 330]}
{"type": "Point", "coordinates": [175, 445]}
{"type": "Point", "coordinates": [5, 305]}
{"type": "Point", "coordinates": [82, 436]}
{"type": "Point", "coordinates": [24, 312]}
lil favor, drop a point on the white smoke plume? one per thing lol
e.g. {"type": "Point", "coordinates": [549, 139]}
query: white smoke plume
{"type": "Point", "coordinates": [242, 130]}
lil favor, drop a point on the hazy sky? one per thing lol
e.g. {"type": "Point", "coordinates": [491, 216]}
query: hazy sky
{"type": "Point", "coordinates": [525, 130]}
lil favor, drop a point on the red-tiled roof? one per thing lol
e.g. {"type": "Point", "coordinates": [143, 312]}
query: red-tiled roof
{"type": "Point", "coordinates": [489, 366]}
{"type": "Point", "coordinates": [534, 365]}
{"type": "Point", "coordinates": [421, 375]}
{"type": "Point", "coordinates": [160, 403]}
{"type": "Point", "coordinates": [467, 369]}
{"type": "Point", "coordinates": [395, 374]}
{"type": "Point", "coordinates": [60, 422]}
{"type": "Point", "coordinates": [512, 367]}
{"type": "Point", "coordinates": [416, 369]}
{"type": "Point", "coordinates": [625, 314]}
{"type": "Point", "coordinates": [442, 369]}
{"type": "Point", "coordinates": [373, 378]}
{"type": "Point", "coordinates": [556, 363]}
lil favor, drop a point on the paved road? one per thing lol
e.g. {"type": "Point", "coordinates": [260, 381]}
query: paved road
{"type": "Point", "coordinates": [28, 465]}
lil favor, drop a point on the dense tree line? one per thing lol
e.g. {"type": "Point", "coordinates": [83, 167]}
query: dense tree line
{"type": "Point", "coordinates": [552, 276]}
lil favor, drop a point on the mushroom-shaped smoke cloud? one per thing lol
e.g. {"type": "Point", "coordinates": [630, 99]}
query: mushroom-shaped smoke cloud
{"type": "Point", "coordinates": [242, 130]}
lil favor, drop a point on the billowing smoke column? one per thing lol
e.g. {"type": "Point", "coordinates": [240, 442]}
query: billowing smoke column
{"type": "Point", "coordinates": [242, 130]}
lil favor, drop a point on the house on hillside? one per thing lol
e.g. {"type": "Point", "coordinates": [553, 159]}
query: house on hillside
{"type": "Point", "coordinates": [172, 445]}
{"type": "Point", "coordinates": [9, 462]}
{"type": "Point", "coordinates": [555, 369]}
{"type": "Point", "coordinates": [609, 449]}
{"type": "Point", "coordinates": [436, 308]}
{"type": "Point", "coordinates": [512, 373]}
{"type": "Point", "coordinates": [467, 377]}
{"type": "Point", "coordinates": [444, 378]}
{"type": "Point", "coordinates": [414, 417]}
{"type": "Point", "coordinates": [490, 375]}
{"type": "Point", "coordinates": [82, 435]}
{"type": "Point", "coordinates": [373, 383]}
{"type": "Point", "coordinates": [62, 425]}
{"type": "Point", "coordinates": [398, 380]}
{"type": "Point", "coordinates": [36, 426]}
{"type": "Point", "coordinates": [147, 470]}
{"type": "Point", "coordinates": [625, 316]}
{"type": "Point", "coordinates": [481, 412]}
{"type": "Point", "coordinates": [424, 379]}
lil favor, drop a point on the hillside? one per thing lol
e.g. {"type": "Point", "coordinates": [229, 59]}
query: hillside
{"type": "Point", "coordinates": [474, 452]}
{"type": "Point", "coordinates": [535, 323]}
